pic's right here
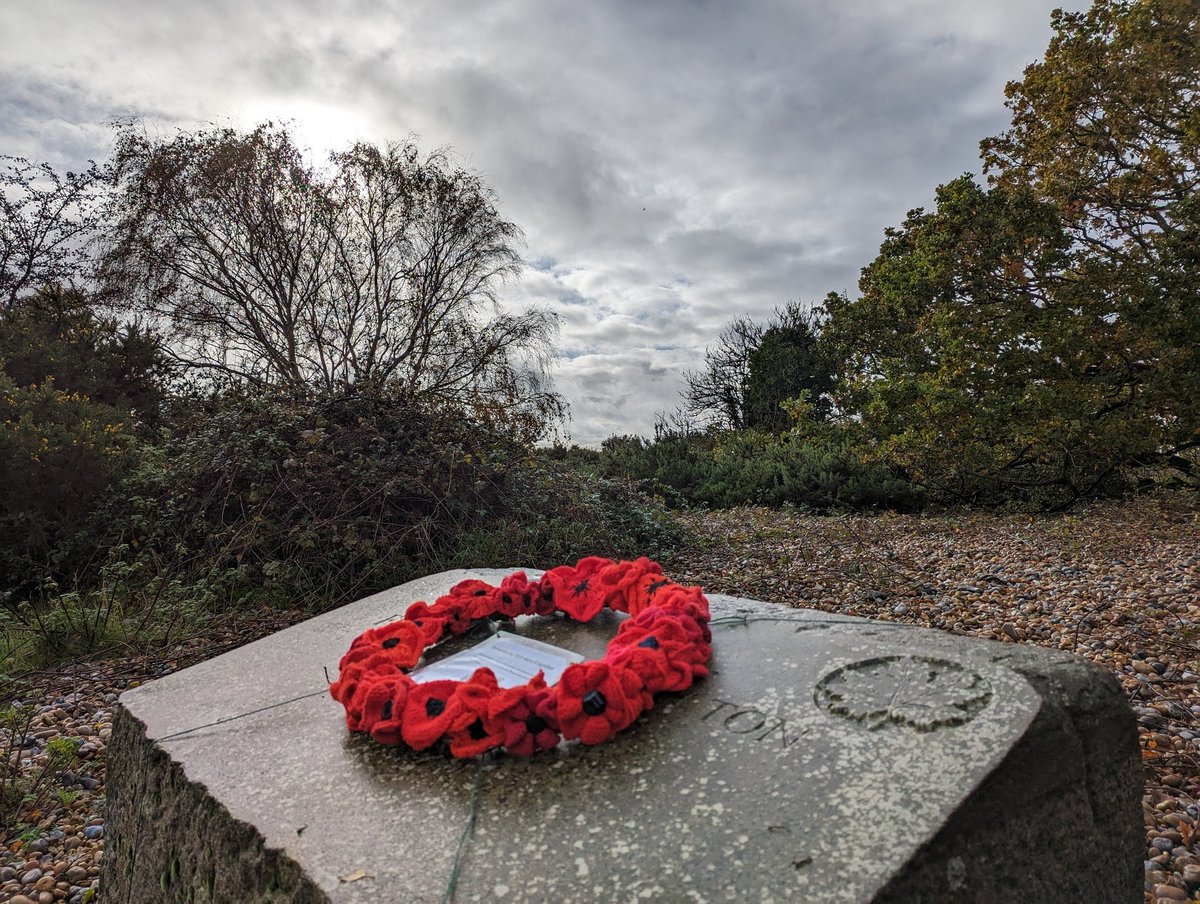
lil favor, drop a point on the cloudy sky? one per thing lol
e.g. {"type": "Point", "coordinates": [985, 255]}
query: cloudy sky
{"type": "Point", "coordinates": [673, 164]}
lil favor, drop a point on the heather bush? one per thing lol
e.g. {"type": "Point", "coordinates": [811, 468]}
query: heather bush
{"type": "Point", "coordinates": [819, 468]}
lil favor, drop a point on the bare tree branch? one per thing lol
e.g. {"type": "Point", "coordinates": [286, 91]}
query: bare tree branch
{"type": "Point", "coordinates": [380, 269]}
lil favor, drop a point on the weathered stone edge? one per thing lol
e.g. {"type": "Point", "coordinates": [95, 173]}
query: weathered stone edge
{"type": "Point", "coordinates": [198, 853]}
{"type": "Point", "coordinates": [1060, 818]}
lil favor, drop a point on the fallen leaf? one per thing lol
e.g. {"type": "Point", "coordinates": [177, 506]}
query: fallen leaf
{"type": "Point", "coordinates": [355, 876]}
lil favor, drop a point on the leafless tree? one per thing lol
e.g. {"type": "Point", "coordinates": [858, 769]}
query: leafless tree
{"type": "Point", "coordinates": [717, 394]}
{"type": "Point", "coordinates": [380, 269]}
{"type": "Point", "coordinates": [46, 222]}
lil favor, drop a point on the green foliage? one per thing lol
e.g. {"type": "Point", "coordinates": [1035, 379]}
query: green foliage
{"type": "Point", "coordinates": [58, 452]}
{"type": "Point", "coordinates": [787, 364]}
{"type": "Point", "coordinates": [24, 791]}
{"type": "Point", "coordinates": [672, 466]}
{"type": "Point", "coordinates": [754, 368]}
{"type": "Point", "coordinates": [564, 515]}
{"type": "Point", "coordinates": [962, 361]}
{"type": "Point", "coordinates": [1107, 129]}
{"type": "Point", "coordinates": [573, 457]}
{"type": "Point", "coordinates": [291, 500]}
{"type": "Point", "coordinates": [75, 388]}
{"type": "Point", "coordinates": [132, 605]}
{"type": "Point", "coordinates": [1039, 341]}
{"type": "Point", "coordinates": [56, 334]}
{"type": "Point", "coordinates": [819, 467]}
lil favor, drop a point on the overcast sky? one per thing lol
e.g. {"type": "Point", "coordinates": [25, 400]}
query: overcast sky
{"type": "Point", "coordinates": [673, 164]}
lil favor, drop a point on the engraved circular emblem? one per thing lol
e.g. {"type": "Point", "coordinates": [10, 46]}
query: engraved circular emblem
{"type": "Point", "coordinates": [916, 692]}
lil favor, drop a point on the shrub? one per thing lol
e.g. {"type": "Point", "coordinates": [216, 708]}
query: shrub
{"type": "Point", "coordinates": [26, 789]}
{"type": "Point", "coordinates": [820, 468]}
{"type": "Point", "coordinates": [57, 335]}
{"type": "Point", "coordinates": [319, 501]}
{"type": "Point", "coordinates": [58, 452]}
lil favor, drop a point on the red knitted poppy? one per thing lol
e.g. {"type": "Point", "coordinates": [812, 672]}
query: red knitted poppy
{"type": "Point", "coordinates": [473, 730]}
{"type": "Point", "coordinates": [472, 596]}
{"type": "Point", "coordinates": [354, 679]}
{"type": "Point", "coordinates": [574, 591]}
{"type": "Point", "coordinates": [597, 699]}
{"type": "Point", "coordinates": [641, 595]}
{"type": "Point", "coordinates": [389, 726]}
{"type": "Point", "coordinates": [664, 646]}
{"type": "Point", "coordinates": [401, 642]}
{"type": "Point", "coordinates": [432, 625]}
{"type": "Point", "coordinates": [429, 712]}
{"type": "Point", "coordinates": [662, 651]}
{"type": "Point", "coordinates": [527, 717]}
{"type": "Point", "coordinates": [619, 583]}
{"type": "Point", "coordinates": [517, 596]}
{"type": "Point", "coordinates": [367, 705]}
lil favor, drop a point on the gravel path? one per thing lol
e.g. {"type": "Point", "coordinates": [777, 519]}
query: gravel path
{"type": "Point", "coordinates": [1117, 583]}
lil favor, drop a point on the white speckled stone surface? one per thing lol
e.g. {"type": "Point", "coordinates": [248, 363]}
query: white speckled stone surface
{"type": "Point", "coordinates": [817, 763]}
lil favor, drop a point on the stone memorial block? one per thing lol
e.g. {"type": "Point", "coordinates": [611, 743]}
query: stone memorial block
{"type": "Point", "coordinates": [824, 759]}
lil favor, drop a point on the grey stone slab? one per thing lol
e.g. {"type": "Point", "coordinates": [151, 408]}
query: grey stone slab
{"type": "Point", "coordinates": [825, 759]}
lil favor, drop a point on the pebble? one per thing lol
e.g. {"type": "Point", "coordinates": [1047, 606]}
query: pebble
{"type": "Point", "coordinates": [31, 876]}
{"type": "Point", "coordinates": [1170, 892]}
{"type": "Point", "coordinates": [93, 832]}
{"type": "Point", "coordinates": [1148, 716]}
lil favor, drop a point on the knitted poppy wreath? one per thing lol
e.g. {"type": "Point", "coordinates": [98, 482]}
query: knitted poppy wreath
{"type": "Point", "coordinates": [663, 646]}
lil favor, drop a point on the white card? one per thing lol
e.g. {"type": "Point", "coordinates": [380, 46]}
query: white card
{"type": "Point", "coordinates": [512, 658]}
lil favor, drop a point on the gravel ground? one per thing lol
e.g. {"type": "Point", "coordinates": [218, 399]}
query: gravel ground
{"type": "Point", "coordinates": [1117, 583]}
{"type": "Point", "coordinates": [62, 863]}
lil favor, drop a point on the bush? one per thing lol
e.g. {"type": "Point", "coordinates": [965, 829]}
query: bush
{"type": "Point", "coordinates": [131, 605]}
{"type": "Point", "coordinates": [58, 452]}
{"type": "Point", "coordinates": [821, 469]}
{"type": "Point", "coordinates": [75, 390]}
{"type": "Point", "coordinates": [316, 502]}
{"type": "Point", "coordinates": [57, 335]}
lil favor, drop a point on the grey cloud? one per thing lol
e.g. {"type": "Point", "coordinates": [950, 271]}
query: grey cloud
{"type": "Point", "coordinates": [673, 164]}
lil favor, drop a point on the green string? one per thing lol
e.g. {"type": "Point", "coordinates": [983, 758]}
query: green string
{"type": "Point", "coordinates": [849, 620]}
{"type": "Point", "coordinates": [252, 712]}
{"type": "Point", "coordinates": [472, 812]}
